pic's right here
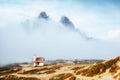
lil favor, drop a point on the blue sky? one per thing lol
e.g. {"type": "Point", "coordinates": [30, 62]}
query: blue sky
{"type": "Point", "coordinates": [97, 18]}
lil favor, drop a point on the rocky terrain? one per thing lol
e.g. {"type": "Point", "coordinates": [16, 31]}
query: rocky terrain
{"type": "Point", "coordinates": [106, 70]}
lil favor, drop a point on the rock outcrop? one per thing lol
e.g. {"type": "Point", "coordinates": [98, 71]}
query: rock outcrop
{"type": "Point", "coordinates": [43, 15]}
{"type": "Point", "coordinates": [65, 21]}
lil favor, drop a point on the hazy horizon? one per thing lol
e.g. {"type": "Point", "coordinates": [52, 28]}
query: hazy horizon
{"type": "Point", "coordinates": [23, 34]}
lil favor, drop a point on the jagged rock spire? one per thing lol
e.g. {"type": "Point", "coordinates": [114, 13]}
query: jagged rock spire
{"type": "Point", "coordinates": [65, 21]}
{"type": "Point", "coordinates": [43, 15]}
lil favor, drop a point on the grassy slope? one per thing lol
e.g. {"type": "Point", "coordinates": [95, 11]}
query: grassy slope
{"type": "Point", "coordinates": [107, 70]}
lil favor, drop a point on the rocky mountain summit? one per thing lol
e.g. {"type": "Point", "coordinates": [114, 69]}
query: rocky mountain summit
{"type": "Point", "coordinates": [44, 21]}
{"type": "Point", "coordinates": [65, 21]}
{"type": "Point", "coordinates": [43, 15]}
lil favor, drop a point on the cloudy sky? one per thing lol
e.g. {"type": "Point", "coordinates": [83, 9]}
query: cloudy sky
{"type": "Point", "coordinates": [99, 19]}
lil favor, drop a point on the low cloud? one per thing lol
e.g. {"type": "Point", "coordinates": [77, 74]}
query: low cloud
{"type": "Point", "coordinates": [49, 39]}
{"type": "Point", "coordinates": [22, 33]}
{"type": "Point", "coordinates": [113, 35]}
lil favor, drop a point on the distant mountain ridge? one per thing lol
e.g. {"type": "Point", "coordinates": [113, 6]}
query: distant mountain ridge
{"type": "Point", "coordinates": [65, 21]}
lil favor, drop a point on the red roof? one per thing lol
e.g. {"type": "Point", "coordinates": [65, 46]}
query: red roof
{"type": "Point", "coordinates": [40, 59]}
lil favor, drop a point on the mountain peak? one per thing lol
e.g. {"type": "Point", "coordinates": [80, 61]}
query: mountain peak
{"type": "Point", "coordinates": [43, 15]}
{"type": "Point", "coordinates": [65, 21]}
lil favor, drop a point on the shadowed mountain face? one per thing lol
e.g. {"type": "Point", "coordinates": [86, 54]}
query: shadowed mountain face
{"type": "Point", "coordinates": [43, 15]}
{"type": "Point", "coordinates": [65, 21]}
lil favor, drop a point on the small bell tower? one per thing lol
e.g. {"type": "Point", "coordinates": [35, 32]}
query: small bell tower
{"type": "Point", "coordinates": [34, 59]}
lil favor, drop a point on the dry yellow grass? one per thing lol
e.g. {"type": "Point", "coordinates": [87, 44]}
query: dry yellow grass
{"type": "Point", "coordinates": [108, 70]}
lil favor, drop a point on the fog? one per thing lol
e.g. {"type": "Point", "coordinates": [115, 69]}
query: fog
{"type": "Point", "coordinates": [51, 40]}
{"type": "Point", "coordinates": [23, 32]}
